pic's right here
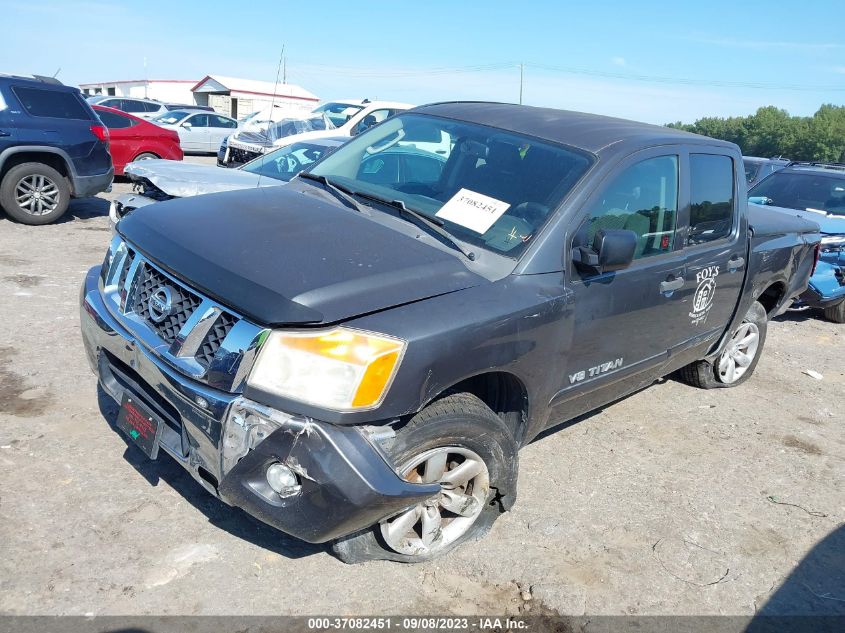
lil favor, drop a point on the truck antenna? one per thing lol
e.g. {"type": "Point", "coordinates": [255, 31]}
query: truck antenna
{"type": "Point", "coordinates": [273, 101]}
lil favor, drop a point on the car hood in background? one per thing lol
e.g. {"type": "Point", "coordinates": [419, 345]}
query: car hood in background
{"type": "Point", "coordinates": [182, 179]}
{"type": "Point", "coordinates": [284, 257]}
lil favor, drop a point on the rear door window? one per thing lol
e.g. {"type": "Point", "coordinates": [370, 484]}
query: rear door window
{"type": "Point", "coordinates": [220, 121]}
{"type": "Point", "coordinates": [133, 106]}
{"type": "Point", "coordinates": [711, 198]}
{"type": "Point", "coordinates": [51, 103]}
{"type": "Point", "coordinates": [115, 121]}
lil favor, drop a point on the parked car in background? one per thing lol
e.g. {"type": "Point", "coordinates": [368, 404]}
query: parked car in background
{"type": "Point", "coordinates": [144, 108]}
{"type": "Point", "coordinates": [272, 128]}
{"type": "Point", "coordinates": [198, 131]}
{"type": "Point", "coordinates": [158, 180]}
{"type": "Point", "coordinates": [134, 139]}
{"type": "Point", "coordinates": [815, 191]}
{"type": "Point", "coordinates": [358, 356]}
{"type": "Point", "coordinates": [52, 148]}
{"type": "Point", "coordinates": [757, 168]}
{"type": "Point", "coordinates": [340, 118]}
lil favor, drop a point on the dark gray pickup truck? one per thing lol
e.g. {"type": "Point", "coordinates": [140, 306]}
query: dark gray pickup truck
{"type": "Point", "coordinates": [357, 357]}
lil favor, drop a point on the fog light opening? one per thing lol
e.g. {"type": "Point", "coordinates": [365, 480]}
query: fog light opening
{"type": "Point", "coordinates": [282, 480]}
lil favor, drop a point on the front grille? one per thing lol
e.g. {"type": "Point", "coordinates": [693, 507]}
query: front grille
{"type": "Point", "coordinates": [211, 342]}
{"type": "Point", "coordinates": [241, 156]}
{"type": "Point", "coordinates": [184, 302]}
{"type": "Point", "coordinates": [196, 328]}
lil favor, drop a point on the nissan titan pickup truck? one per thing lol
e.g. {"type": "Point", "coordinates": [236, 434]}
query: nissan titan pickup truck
{"type": "Point", "coordinates": [357, 357]}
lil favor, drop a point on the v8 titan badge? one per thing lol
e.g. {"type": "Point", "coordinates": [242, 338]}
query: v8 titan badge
{"type": "Point", "coordinates": [473, 210]}
{"type": "Point", "coordinates": [702, 301]}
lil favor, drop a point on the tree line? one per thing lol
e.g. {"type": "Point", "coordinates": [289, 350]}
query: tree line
{"type": "Point", "coordinates": [772, 131]}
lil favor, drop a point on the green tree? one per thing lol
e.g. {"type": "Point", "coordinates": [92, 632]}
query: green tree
{"type": "Point", "coordinates": [771, 131]}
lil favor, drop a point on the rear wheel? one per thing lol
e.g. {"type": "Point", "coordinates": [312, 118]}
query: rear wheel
{"type": "Point", "coordinates": [738, 359]}
{"type": "Point", "coordinates": [835, 313]}
{"type": "Point", "coordinates": [144, 156]}
{"type": "Point", "coordinates": [461, 444]}
{"type": "Point", "coordinates": [34, 193]}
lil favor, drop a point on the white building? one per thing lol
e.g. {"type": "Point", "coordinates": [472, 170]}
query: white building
{"type": "Point", "coordinates": [239, 97]}
{"type": "Point", "coordinates": [227, 95]}
{"type": "Point", "coordinates": [167, 90]}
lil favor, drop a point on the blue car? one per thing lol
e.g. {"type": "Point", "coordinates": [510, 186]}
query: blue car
{"type": "Point", "coordinates": [815, 191]}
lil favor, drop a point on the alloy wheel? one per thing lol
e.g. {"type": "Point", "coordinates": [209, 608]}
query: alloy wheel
{"type": "Point", "coordinates": [739, 353]}
{"type": "Point", "coordinates": [37, 194]}
{"type": "Point", "coordinates": [430, 526]}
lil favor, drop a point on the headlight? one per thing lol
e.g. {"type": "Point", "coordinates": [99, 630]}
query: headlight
{"type": "Point", "coordinates": [340, 369]}
{"type": "Point", "coordinates": [833, 242]}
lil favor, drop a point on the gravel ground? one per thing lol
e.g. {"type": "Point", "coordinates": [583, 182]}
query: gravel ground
{"type": "Point", "coordinates": [672, 501]}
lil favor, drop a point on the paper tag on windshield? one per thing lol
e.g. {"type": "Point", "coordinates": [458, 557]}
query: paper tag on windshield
{"type": "Point", "coordinates": [473, 210]}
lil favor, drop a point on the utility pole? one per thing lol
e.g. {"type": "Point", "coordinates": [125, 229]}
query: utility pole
{"type": "Point", "coordinates": [521, 73]}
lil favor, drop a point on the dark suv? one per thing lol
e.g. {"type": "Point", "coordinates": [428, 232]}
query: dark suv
{"type": "Point", "coordinates": [52, 148]}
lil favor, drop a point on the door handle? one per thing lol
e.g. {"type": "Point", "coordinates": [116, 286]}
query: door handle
{"type": "Point", "coordinates": [5, 133]}
{"type": "Point", "coordinates": [671, 285]}
{"type": "Point", "coordinates": [735, 263]}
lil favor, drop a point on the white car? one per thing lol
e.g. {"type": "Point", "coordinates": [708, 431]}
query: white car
{"type": "Point", "coordinates": [198, 131]}
{"type": "Point", "coordinates": [339, 118]}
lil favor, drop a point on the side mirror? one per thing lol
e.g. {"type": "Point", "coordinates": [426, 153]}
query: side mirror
{"type": "Point", "coordinates": [612, 250]}
{"type": "Point", "coordinates": [187, 125]}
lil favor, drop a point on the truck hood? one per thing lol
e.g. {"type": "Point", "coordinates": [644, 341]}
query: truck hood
{"type": "Point", "coordinates": [282, 256]}
{"type": "Point", "coordinates": [767, 220]}
{"type": "Point", "coordinates": [182, 180]}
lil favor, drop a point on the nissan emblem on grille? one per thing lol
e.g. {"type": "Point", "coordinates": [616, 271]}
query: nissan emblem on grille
{"type": "Point", "coordinates": [160, 303]}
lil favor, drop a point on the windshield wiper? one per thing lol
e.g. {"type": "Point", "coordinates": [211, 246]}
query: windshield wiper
{"type": "Point", "coordinates": [433, 224]}
{"type": "Point", "coordinates": [342, 193]}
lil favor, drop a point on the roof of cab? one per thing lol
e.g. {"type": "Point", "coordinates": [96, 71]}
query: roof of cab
{"type": "Point", "coordinates": [592, 132]}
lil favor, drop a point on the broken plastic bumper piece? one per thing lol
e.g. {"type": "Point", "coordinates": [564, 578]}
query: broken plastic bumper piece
{"type": "Point", "coordinates": [313, 480]}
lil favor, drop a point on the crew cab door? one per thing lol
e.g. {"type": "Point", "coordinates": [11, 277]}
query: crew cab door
{"type": "Point", "coordinates": [715, 245]}
{"type": "Point", "coordinates": [626, 321]}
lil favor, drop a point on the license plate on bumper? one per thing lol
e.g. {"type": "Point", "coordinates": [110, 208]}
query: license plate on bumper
{"type": "Point", "coordinates": [141, 425]}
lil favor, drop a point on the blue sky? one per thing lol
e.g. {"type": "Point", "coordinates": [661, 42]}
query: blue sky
{"type": "Point", "coordinates": [651, 61]}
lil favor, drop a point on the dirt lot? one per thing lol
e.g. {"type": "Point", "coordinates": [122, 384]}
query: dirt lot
{"type": "Point", "coordinates": [673, 501]}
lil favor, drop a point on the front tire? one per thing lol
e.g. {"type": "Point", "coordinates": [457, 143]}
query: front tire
{"type": "Point", "coordinates": [459, 442]}
{"type": "Point", "coordinates": [835, 313]}
{"type": "Point", "coordinates": [737, 361]}
{"type": "Point", "coordinates": [34, 193]}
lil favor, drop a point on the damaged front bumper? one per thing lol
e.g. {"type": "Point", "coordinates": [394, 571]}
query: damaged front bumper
{"type": "Point", "coordinates": [228, 443]}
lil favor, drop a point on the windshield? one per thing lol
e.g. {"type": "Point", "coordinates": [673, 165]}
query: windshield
{"type": "Point", "coordinates": [287, 162]}
{"type": "Point", "coordinates": [264, 129]}
{"type": "Point", "coordinates": [751, 169]}
{"type": "Point", "coordinates": [339, 113]}
{"type": "Point", "coordinates": [170, 118]}
{"type": "Point", "coordinates": [490, 188]}
{"type": "Point", "coordinates": [804, 191]}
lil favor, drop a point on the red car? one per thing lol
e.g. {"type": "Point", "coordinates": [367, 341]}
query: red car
{"type": "Point", "coordinates": [133, 138]}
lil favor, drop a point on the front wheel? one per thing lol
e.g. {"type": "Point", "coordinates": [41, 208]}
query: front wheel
{"type": "Point", "coordinates": [461, 444]}
{"type": "Point", "coordinates": [835, 313]}
{"type": "Point", "coordinates": [738, 359]}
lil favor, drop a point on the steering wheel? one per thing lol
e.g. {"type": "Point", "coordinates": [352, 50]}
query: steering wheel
{"type": "Point", "coordinates": [532, 212]}
{"type": "Point", "coordinates": [508, 232]}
